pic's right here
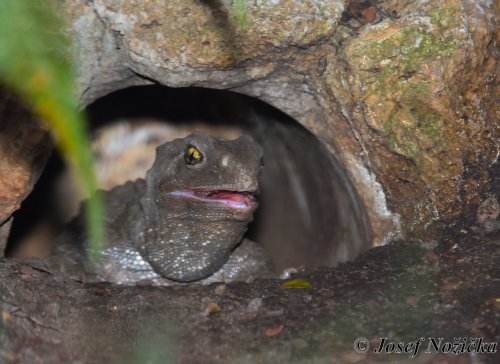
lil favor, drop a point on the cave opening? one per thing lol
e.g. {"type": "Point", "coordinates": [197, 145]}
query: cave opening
{"type": "Point", "coordinates": [309, 214]}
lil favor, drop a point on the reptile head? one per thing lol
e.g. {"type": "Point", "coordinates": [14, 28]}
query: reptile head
{"type": "Point", "coordinates": [206, 176]}
{"type": "Point", "coordinates": [200, 196]}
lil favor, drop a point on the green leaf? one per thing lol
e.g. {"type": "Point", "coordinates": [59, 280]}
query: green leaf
{"type": "Point", "coordinates": [296, 283]}
{"type": "Point", "coordinates": [35, 62]}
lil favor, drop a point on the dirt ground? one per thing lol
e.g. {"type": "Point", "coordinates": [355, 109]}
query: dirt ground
{"type": "Point", "coordinates": [403, 292]}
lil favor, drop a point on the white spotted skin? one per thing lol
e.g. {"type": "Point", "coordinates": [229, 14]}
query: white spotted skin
{"type": "Point", "coordinates": [246, 263]}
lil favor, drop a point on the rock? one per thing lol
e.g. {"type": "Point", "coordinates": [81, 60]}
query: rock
{"type": "Point", "coordinates": [401, 93]}
{"type": "Point", "coordinates": [254, 305]}
{"type": "Point", "coordinates": [421, 99]}
{"type": "Point", "coordinates": [489, 209]}
{"type": "Point", "coordinates": [25, 146]}
{"type": "Point", "coordinates": [490, 226]}
{"type": "Point", "coordinates": [4, 234]}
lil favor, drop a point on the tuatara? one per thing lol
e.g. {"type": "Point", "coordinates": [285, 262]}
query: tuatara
{"type": "Point", "coordinates": [182, 223]}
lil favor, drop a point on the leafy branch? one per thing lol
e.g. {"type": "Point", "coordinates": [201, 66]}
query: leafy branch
{"type": "Point", "coordinates": [35, 63]}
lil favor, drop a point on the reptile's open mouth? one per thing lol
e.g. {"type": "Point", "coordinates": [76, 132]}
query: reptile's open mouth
{"type": "Point", "coordinates": [235, 199]}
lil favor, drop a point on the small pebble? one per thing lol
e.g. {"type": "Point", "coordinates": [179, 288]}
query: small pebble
{"type": "Point", "coordinates": [489, 209]}
{"type": "Point", "coordinates": [254, 305]}
{"type": "Point", "coordinates": [112, 308]}
{"type": "Point", "coordinates": [288, 272]}
{"type": "Point", "coordinates": [490, 226]}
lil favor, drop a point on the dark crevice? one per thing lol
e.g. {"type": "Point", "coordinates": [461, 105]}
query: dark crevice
{"type": "Point", "coordinates": [39, 213]}
{"type": "Point", "coordinates": [309, 214]}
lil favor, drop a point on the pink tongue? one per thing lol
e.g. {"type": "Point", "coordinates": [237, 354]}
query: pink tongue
{"type": "Point", "coordinates": [233, 199]}
{"type": "Point", "coordinates": [231, 196]}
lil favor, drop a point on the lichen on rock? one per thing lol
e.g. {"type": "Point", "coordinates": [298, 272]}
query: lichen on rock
{"type": "Point", "coordinates": [407, 73]}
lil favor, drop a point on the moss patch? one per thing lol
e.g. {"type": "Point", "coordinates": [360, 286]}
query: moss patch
{"type": "Point", "coordinates": [396, 64]}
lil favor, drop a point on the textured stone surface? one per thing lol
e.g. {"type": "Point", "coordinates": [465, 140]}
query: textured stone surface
{"type": "Point", "coordinates": [402, 93]}
{"type": "Point", "coordinates": [425, 107]}
{"type": "Point", "coordinates": [400, 291]}
{"type": "Point", "coordinates": [4, 234]}
{"type": "Point", "coordinates": [24, 148]}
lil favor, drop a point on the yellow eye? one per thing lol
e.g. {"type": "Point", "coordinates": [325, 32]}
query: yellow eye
{"type": "Point", "coordinates": [192, 155]}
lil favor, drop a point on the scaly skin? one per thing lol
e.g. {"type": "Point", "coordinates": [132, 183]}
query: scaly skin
{"type": "Point", "coordinates": [182, 223]}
